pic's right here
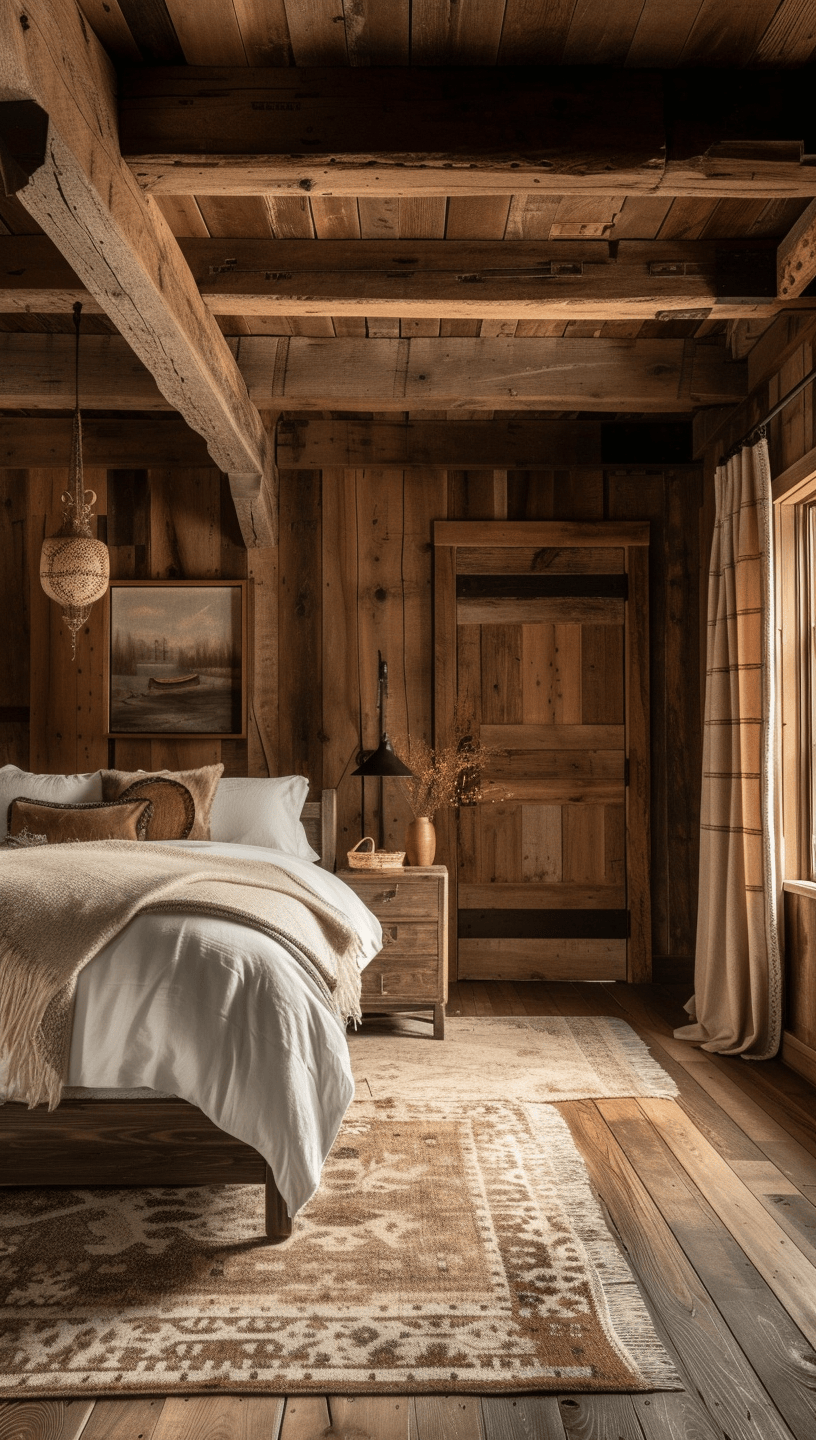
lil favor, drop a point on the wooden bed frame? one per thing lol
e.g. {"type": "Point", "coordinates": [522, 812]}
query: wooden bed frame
{"type": "Point", "coordinates": [147, 1141]}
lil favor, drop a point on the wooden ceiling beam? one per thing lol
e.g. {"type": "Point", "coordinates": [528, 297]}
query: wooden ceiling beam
{"type": "Point", "coordinates": [60, 156]}
{"type": "Point", "coordinates": [118, 444]}
{"type": "Point", "coordinates": [530, 280]}
{"type": "Point", "coordinates": [211, 130]}
{"type": "Point", "coordinates": [312, 443]}
{"type": "Point", "coordinates": [303, 374]}
{"type": "Point", "coordinates": [796, 256]}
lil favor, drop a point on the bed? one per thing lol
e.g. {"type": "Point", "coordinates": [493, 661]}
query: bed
{"type": "Point", "coordinates": [141, 1136]}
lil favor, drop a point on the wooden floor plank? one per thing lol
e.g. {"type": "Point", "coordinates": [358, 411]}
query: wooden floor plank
{"type": "Point", "coordinates": [535, 999]}
{"type": "Point", "coordinates": [673, 1417]}
{"type": "Point", "coordinates": [370, 1417]}
{"type": "Point", "coordinates": [222, 1417]}
{"type": "Point", "coordinates": [769, 1124]}
{"type": "Point", "coordinates": [711, 1363]}
{"type": "Point", "coordinates": [777, 1258]}
{"type": "Point", "coordinates": [526, 1417]}
{"type": "Point", "coordinates": [124, 1419]}
{"type": "Point", "coordinates": [597, 1417]}
{"type": "Point", "coordinates": [306, 1417]}
{"type": "Point", "coordinates": [44, 1419]}
{"type": "Point", "coordinates": [779, 1353]}
{"type": "Point", "coordinates": [447, 1417]}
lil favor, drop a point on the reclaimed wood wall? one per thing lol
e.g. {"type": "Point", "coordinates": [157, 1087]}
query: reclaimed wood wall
{"type": "Point", "coordinates": [353, 574]}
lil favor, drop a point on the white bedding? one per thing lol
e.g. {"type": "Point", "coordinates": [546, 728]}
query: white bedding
{"type": "Point", "coordinates": [223, 1016]}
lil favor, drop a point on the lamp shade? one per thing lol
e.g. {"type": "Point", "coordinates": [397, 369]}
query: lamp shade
{"type": "Point", "coordinates": [383, 761]}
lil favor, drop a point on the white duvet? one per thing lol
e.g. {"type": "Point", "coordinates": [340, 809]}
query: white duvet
{"type": "Point", "coordinates": [223, 1016]}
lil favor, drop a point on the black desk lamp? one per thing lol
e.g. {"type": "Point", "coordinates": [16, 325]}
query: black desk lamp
{"type": "Point", "coordinates": [383, 761]}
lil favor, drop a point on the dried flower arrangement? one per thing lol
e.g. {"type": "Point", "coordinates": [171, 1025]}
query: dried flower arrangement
{"type": "Point", "coordinates": [445, 777]}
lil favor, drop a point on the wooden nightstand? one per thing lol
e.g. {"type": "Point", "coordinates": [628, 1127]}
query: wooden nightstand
{"type": "Point", "coordinates": [411, 970]}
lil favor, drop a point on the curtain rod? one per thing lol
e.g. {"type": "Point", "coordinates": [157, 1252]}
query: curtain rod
{"type": "Point", "coordinates": [758, 429]}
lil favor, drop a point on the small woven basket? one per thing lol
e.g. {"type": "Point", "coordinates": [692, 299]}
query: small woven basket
{"type": "Point", "coordinates": [373, 859]}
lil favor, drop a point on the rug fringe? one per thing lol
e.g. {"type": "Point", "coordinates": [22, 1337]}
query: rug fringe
{"type": "Point", "coordinates": [622, 1310]}
{"type": "Point", "coordinates": [656, 1082]}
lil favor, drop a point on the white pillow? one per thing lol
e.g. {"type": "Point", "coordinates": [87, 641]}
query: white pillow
{"type": "Point", "coordinates": [62, 788]}
{"type": "Point", "coordinates": [262, 811]}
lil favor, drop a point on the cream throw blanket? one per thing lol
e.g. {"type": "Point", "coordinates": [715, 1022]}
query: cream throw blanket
{"type": "Point", "coordinates": [60, 904]}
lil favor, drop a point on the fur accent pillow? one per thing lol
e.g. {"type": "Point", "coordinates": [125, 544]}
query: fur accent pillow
{"type": "Point", "coordinates": [173, 806]}
{"type": "Point", "coordinates": [119, 820]}
{"type": "Point", "coordinates": [202, 785]}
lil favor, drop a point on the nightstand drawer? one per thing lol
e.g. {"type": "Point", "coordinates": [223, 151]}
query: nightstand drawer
{"type": "Point", "coordinates": [410, 937]}
{"type": "Point", "coordinates": [392, 898]}
{"type": "Point", "coordinates": [401, 978]}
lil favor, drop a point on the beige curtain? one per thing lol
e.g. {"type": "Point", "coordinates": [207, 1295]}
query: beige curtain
{"type": "Point", "coordinates": [737, 1004]}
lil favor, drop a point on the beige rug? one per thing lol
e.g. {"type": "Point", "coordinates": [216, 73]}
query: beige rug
{"type": "Point", "coordinates": [548, 1057]}
{"type": "Point", "coordinates": [442, 1253]}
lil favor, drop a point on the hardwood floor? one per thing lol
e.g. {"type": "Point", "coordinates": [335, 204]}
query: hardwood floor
{"type": "Point", "coordinates": [713, 1198]}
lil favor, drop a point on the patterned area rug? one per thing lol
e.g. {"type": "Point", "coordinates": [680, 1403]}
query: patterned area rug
{"type": "Point", "coordinates": [549, 1057]}
{"type": "Point", "coordinates": [444, 1252]}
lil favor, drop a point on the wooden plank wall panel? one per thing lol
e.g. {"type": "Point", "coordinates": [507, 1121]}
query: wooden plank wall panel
{"type": "Point", "coordinates": [345, 529]}
{"type": "Point", "coordinates": [14, 607]}
{"type": "Point", "coordinates": [66, 696]}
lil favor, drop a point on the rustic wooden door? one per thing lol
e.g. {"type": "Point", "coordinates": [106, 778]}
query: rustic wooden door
{"type": "Point", "coordinates": [541, 650]}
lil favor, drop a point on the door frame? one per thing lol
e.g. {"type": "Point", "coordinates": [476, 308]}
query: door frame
{"type": "Point", "coordinates": [633, 538]}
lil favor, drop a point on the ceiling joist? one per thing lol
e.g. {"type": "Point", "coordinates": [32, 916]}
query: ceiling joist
{"type": "Point", "coordinates": [61, 158]}
{"type": "Point", "coordinates": [360, 375]}
{"type": "Point", "coordinates": [365, 131]}
{"type": "Point", "coordinates": [796, 257]}
{"type": "Point", "coordinates": [531, 280]}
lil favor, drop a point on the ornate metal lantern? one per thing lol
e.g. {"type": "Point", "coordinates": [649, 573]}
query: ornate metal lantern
{"type": "Point", "coordinates": [74, 567]}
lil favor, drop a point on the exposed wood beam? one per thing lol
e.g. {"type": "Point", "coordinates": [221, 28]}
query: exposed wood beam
{"type": "Point", "coordinates": [468, 131]}
{"type": "Point", "coordinates": [306, 443]}
{"type": "Point", "coordinates": [118, 444]}
{"type": "Point", "coordinates": [796, 257]}
{"type": "Point", "coordinates": [530, 280]}
{"type": "Point", "coordinates": [118, 243]}
{"type": "Point", "coordinates": [496, 374]}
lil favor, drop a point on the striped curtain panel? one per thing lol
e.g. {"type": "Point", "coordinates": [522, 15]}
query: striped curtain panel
{"type": "Point", "coordinates": [737, 1004]}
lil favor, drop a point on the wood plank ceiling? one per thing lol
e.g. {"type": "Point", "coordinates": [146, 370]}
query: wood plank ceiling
{"type": "Point", "coordinates": [633, 33]}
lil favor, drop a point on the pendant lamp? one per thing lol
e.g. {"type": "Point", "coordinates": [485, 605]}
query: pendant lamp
{"type": "Point", "coordinates": [74, 567]}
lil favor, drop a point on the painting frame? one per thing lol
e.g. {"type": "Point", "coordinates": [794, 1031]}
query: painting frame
{"type": "Point", "coordinates": [239, 679]}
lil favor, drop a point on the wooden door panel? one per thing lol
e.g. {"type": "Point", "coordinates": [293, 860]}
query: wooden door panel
{"type": "Point", "coordinates": [615, 844]}
{"type": "Point", "coordinates": [555, 737]}
{"type": "Point", "coordinates": [469, 674]}
{"type": "Point", "coordinates": [539, 610]}
{"type": "Point", "coordinates": [543, 959]}
{"type": "Point", "coordinates": [531, 896]}
{"type": "Point", "coordinates": [541, 843]}
{"type": "Point", "coordinates": [540, 633]}
{"type": "Point", "coordinates": [501, 674]}
{"type": "Point", "coordinates": [498, 842]}
{"type": "Point", "coordinates": [602, 700]}
{"type": "Point", "coordinates": [583, 850]}
{"type": "Point", "coordinates": [535, 560]}
{"type": "Point", "coordinates": [551, 674]}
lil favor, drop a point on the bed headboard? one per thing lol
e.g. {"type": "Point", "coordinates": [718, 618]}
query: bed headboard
{"type": "Point", "coordinates": [320, 823]}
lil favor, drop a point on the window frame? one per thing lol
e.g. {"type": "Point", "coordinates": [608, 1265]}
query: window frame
{"type": "Point", "coordinates": [794, 494]}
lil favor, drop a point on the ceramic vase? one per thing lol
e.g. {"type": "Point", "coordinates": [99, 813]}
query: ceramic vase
{"type": "Point", "coordinates": [420, 841]}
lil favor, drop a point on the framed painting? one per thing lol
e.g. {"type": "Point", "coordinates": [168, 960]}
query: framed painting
{"type": "Point", "coordinates": [177, 658]}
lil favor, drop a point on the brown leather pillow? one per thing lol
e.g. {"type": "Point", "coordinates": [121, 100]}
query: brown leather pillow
{"type": "Point", "coordinates": [121, 820]}
{"type": "Point", "coordinates": [202, 785]}
{"type": "Point", "coordinates": [173, 806]}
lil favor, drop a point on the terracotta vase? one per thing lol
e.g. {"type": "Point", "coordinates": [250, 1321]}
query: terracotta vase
{"type": "Point", "coordinates": [420, 841]}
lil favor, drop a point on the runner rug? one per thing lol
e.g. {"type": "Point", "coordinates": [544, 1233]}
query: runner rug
{"type": "Point", "coordinates": [547, 1057]}
{"type": "Point", "coordinates": [453, 1249]}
